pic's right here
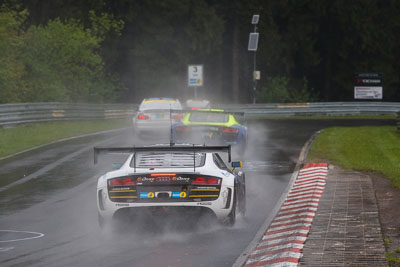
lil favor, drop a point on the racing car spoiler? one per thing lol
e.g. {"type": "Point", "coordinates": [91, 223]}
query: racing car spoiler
{"type": "Point", "coordinates": [171, 148]}
{"type": "Point", "coordinates": [218, 111]}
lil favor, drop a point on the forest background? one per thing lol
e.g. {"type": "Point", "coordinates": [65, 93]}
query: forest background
{"type": "Point", "coordinates": [104, 51]}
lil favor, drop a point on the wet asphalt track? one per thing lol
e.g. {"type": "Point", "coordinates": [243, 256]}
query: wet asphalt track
{"type": "Point", "coordinates": [51, 219]}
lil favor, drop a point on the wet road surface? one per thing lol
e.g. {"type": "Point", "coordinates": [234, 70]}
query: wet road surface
{"type": "Point", "coordinates": [51, 219]}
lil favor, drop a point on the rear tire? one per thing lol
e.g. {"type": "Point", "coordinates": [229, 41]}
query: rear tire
{"type": "Point", "coordinates": [242, 203]}
{"type": "Point", "coordinates": [231, 219]}
{"type": "Point", "coordinates": [242, 198]}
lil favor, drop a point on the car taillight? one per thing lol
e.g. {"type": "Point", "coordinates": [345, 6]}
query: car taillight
{"type": "Point", "coordinates": [212, 181]}
{"type": "Point", "coordinates": [230, 130]}
{"type": "Point", "coordinates": [177, 116]}
{"type": "Point", "coordinates": [182, 128]}
{"type": "Point", "coordinates": [128, 181]}
{"type": "Point", "coordinates": [121, 181]}
{"type": "Point", "coordinates": [206, 180]}
{"type": "Point", "coordinates": [115, 182]}
{"type": "Point", "coordinates": [199, 180]}
{"type": "Point", "coordinates": [142, 117]}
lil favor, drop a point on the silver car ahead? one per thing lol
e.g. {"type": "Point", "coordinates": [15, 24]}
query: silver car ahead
{"type": "Point", "coordinates": [155, 116]}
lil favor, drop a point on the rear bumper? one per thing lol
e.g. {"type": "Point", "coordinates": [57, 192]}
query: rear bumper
{"type": "Point", "coordinates": [204, 137]}
{"type": "Point", "coordinates": [153, 129]}
{"type": "Point", "coordinates": [221, 207]}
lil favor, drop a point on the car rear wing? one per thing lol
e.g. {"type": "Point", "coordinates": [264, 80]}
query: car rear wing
{"type": "Point", "coordinates": [240, 116]}
{"type": "Point", "coordinates": [170, 148]}
{"type": "Point", "coordinates": [218, 111]}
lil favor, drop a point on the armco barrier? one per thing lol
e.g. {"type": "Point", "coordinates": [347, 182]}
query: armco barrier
{"type": "Point", "coordinates": [319, 108]}
{"type": "Point", "coordinates": [13, 114]}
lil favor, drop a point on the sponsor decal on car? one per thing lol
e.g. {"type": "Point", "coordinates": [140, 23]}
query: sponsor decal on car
{"type": "Point", "coordinates": [179, 194]}
{"type": "Point", "coordinates": [146, 194]}
{"type": "Point", "coordinates": [121, 205]}
{"type": "Point", "coordinates": [225, 173]}
{"type": "Point", "coordinates": [204, 203]}
{"type": "Point", "coordinates": [163, 179]}
{"type": "Point", "coordinates": [186, 179]}
{"type": "Point", "coordinates": [119, 189]}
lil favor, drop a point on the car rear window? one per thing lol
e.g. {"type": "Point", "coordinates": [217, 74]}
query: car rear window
{"type": "Point", "coordinates": [209, 117]}
{"type": "Point", "coordinates": [168, 160]}
{"type": "Point", "coordinates": [160, 104]}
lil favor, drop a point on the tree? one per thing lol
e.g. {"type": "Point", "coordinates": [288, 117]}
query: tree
{"type": "Point", "coordinates": [278, 90]}
{"type": "Point", "coordinates": [63, 62]}
{"type": "Point", "coordinates": [162, 39]}
{"type": "Point", "coordinates": [325, 42]}
{"type": "Point", "coordinates": [12, 71]}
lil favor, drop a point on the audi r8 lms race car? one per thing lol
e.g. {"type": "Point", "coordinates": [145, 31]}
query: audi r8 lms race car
{"type": "Point", "coordinates": [163, 180]}
{"type": "Point", "coordinates": [211, 126]}
{"type": "Point", "coordinates": [155, 115]}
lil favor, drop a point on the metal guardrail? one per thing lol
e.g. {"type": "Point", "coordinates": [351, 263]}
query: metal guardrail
{"type": "Point", "coordinates": [319, 108]}
{"type": "Point", "coordinates": [13, 114]}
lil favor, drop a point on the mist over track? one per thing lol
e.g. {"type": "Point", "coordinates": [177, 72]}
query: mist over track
{"type": "Point", "coordinates": [52, 220]}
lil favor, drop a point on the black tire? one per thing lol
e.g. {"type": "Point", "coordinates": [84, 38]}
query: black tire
{"type": "Point", "coordinates": [242, 198]}
{"type": "Point", "coordinates": [242, 201]}
{"type": "Point", "coordinates": [231, 219]}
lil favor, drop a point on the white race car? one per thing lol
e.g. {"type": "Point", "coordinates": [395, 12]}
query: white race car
{"type": "Point", "coordinates": [171, 179]}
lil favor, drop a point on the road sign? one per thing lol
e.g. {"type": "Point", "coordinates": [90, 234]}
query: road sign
{"type": "Point", "coordinates": [256, 75]}
{"type": "Point", "coordinates": [253, 41]}
{"type": "Point", "coordinates": [368, 86]}
{"type": "Point", "coordinates": [254, 19]}
{"type": "Point", "coordinates": [195, 75]}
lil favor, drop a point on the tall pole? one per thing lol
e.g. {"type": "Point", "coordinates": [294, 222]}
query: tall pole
{"type": "Point", "coordinates": [253, 44]}
{"type": "Point", "coordinates": [254, 70]}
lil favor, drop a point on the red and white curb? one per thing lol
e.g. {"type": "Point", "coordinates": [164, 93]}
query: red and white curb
{"type": "Point", "coordinates": [282, 243]}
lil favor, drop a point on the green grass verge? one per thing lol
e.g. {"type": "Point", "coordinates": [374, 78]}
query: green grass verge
{"type": "Point", "coordinates": [17, 139]}
{"type": "Point", "coordinates": [374, 149]}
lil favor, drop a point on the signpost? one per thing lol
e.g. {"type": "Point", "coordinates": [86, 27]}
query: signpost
{"type": "Point", "coordinates": [368, 86]}
{"type": "Point", "coordinates": [253, 45]}
{"type": "Point", "coordinates": [195, 77]}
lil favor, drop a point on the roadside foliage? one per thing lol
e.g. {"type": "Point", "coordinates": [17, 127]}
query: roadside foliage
{"type": "Point", "coordinates": [59, 61]}
{"type": "Point", "coordinates": [124, 51]}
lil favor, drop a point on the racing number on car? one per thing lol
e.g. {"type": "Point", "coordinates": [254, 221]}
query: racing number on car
{"type": "Point", "coordinates": [150, 195]}
{"type": "Point", "coordinates": [182, 194]}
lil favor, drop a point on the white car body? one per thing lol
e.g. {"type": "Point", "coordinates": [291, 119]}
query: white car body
{"type": "Point", "coordinates": [155, 115]}
{"type": "Point", "coordinates": [170, 186]}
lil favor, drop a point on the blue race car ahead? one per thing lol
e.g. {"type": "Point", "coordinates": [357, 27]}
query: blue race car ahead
{"type": "Point", "coordinates": [211, 126]}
